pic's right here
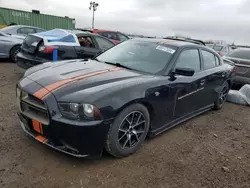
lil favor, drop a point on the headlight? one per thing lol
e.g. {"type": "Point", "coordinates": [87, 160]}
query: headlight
{"type": "Point", "coordinates": [79, 111]}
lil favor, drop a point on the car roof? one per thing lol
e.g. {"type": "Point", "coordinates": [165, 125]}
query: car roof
{"type": "Point", "coordinates": [20, 26]}
{"type": "Point", "coordinates": [171, 42]}
{"type": "Point", "coordinates": [99, 30]}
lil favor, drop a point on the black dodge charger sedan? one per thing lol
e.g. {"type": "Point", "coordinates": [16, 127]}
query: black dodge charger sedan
{"type": "Point", "coordinates": [136, 89]}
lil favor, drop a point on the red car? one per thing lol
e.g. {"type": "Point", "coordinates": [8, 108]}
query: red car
{"type": "Point", "coordinates": [115, 36]}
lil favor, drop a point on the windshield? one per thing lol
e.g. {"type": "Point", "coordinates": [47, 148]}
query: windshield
{"type": "Point", "coordinates": [242, 54]}
{"type": "Point", "coordinates": [145, 56]}
{"type": "Point", "coordinates": [217, 48]}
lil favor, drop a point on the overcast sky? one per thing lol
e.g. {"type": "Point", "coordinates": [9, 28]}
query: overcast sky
{"type": "Point", "coordinates": [204, 19]}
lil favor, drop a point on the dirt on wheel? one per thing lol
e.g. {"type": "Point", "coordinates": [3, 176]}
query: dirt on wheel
{"type": "Point", "coordinates": [211, 150]}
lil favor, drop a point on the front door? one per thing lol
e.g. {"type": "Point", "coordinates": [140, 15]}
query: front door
{"type": "Point", "coordinates": [88, 48]}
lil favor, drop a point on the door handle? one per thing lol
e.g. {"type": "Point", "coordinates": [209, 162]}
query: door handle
{"type": "Point", "coordinates": [202, 82]}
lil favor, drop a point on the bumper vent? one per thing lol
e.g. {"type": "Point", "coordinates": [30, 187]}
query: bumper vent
{"type": "Point", "coordinates": [33, 107]}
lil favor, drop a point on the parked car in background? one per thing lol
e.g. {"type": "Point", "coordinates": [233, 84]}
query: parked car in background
{"type": "Point", "coordinates": [22, 30]}
{"type": "Point", "coordinates": [221, 49]}
{"type": "Point", "coordinates": [139, 88]}
{"type": "Point", "coordinates": [69, 44]}
{"type": "Point", "coordinates": [115, 36]}
{"type": "Point", "coordinates": [9, 45]}
{"type": "Point", "coordinates": [241, 58]}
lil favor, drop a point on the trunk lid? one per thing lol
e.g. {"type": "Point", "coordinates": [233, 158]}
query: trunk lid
{"type": "Point", "coordinates": [31, 43]}
{"type": "Point", "coordinates": [242, 66]}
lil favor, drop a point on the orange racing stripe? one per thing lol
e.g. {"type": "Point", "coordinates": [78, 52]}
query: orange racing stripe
{"type": "Point", "coordinates": [44, 92]}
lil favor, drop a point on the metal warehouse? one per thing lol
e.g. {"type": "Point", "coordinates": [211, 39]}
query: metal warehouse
{"type": "Point", "coordinates": [34, 18]}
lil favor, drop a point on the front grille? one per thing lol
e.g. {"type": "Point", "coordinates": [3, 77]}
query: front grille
{"type": "Point", "coordinates": [33, 108]}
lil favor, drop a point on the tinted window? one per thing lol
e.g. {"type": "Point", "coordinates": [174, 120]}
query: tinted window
{"type": "Point", "coordinates": [109, 35]}
{"type": "Point", "coordinates": [243, 54]}
{"type": "Point", "coordinates": [139, 55]}
{"type": "Point", "coordinates": [122, 37]}
{"type": "Point", "coordinates": [26, 31]}
{"type": "Point", "coordinates": [103, 43]}
{"type": "Point", "coordinates": [218, 48]}
{"type": "Point", "coordinates": [86, 41]}
{"type": "Point", "coordinates": [189, 59]}
{"type": "Point", "coordinates": [39, 30]}
{"type": "Point", "coordinates": [209, 60]}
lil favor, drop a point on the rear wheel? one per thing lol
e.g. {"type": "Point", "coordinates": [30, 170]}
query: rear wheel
{"type": "Point", "coordinates": [128, 131]}
{"type": "Point", "coordinates": [222, 96]}
{"type": "Point", "coordinates": [13, 52]}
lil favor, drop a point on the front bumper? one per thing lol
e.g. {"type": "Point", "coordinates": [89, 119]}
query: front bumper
{"type": "Point", "coordinates": [79, 140]}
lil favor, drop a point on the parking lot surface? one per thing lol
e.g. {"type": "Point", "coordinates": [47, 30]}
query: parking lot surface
{"type": "Point", "coordinates": [211, 150]}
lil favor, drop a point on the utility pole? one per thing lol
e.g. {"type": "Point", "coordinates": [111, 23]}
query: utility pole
{"type": "Point", "coordinates": [93, 6]}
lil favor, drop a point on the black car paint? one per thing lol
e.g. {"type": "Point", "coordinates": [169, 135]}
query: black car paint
{"type": "Point", "coordinates": [31, 57]}
{"type": "Point", "coordinates": [169, 99]}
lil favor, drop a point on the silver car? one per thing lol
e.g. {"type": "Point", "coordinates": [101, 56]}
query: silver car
{"type": "Point", "coordinates": [21, 30]}
{"type": "Point", "coordinates": [9, 45]}
{"type": "Point", "coordinates": [11, 39]}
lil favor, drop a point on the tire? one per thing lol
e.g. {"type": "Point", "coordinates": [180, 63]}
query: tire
{"type": "Point", "coordinates": [222, 96]}
{"type": "Point", "coordinates": [13, 53]}
{"type": "Point", "coordinates": [120, 133]}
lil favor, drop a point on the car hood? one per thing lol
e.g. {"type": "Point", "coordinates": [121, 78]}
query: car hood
{"type": "Point", "coordinates": [66, 77]}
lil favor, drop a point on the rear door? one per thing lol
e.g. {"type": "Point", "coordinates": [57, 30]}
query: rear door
{"type": "Point", "coordinates": [216, 75]}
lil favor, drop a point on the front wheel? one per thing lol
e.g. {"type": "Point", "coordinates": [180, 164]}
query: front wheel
{"type": "Point", "coordinates": [222, 96]}
{"type": "Point", "coordinates": [13, 53]}
{"type": "Point", "coordinates": [128, 131]}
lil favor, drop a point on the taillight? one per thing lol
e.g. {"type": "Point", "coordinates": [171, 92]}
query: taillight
{"type": "Point", "coordinates": [47, 49]}
{"type": "Point", "coordinates": [220, 53]}
{"type": "Point", "coordinates": [234, 70]}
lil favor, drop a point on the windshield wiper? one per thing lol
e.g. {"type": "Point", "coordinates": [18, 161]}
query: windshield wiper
{"type": "Point", "coordinates": [118, 65]}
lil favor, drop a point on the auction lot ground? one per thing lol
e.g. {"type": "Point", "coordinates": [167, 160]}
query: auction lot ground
{"type": "Point", "coordinates": [212, 150]}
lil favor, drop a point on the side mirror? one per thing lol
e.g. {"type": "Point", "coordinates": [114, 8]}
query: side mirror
{"type": "Point", "coordinates": [184, 71]}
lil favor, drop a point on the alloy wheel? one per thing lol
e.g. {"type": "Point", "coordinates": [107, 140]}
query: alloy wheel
{"type": "Point", "coordinates": [131, 130]}
{"type": "Point", "coordinates": [223, 95]}
{"type": "Point", "coordinates": [15, 54]}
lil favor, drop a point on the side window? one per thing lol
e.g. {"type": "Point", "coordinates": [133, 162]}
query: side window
{"type": "Point", "coordinates": [39, 30]}
{"type": "Point", "coordinates": [26, 31]}
{"type": "Point", "coordinates": [103, 43]}
{"type": "Point", "coordinates": [86, 41]}
{"type": "Point", "coordinates": [209, 59]}
{"type": "Point", "coordinates": [122, 37]}
{"type": "Point", "coordinates": [109, 35]}
{"type": "Point", "coordinates": [189, 59]}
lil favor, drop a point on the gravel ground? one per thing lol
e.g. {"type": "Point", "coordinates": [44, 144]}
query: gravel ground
{"type": "Point", "coordinates": [211, 150]}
